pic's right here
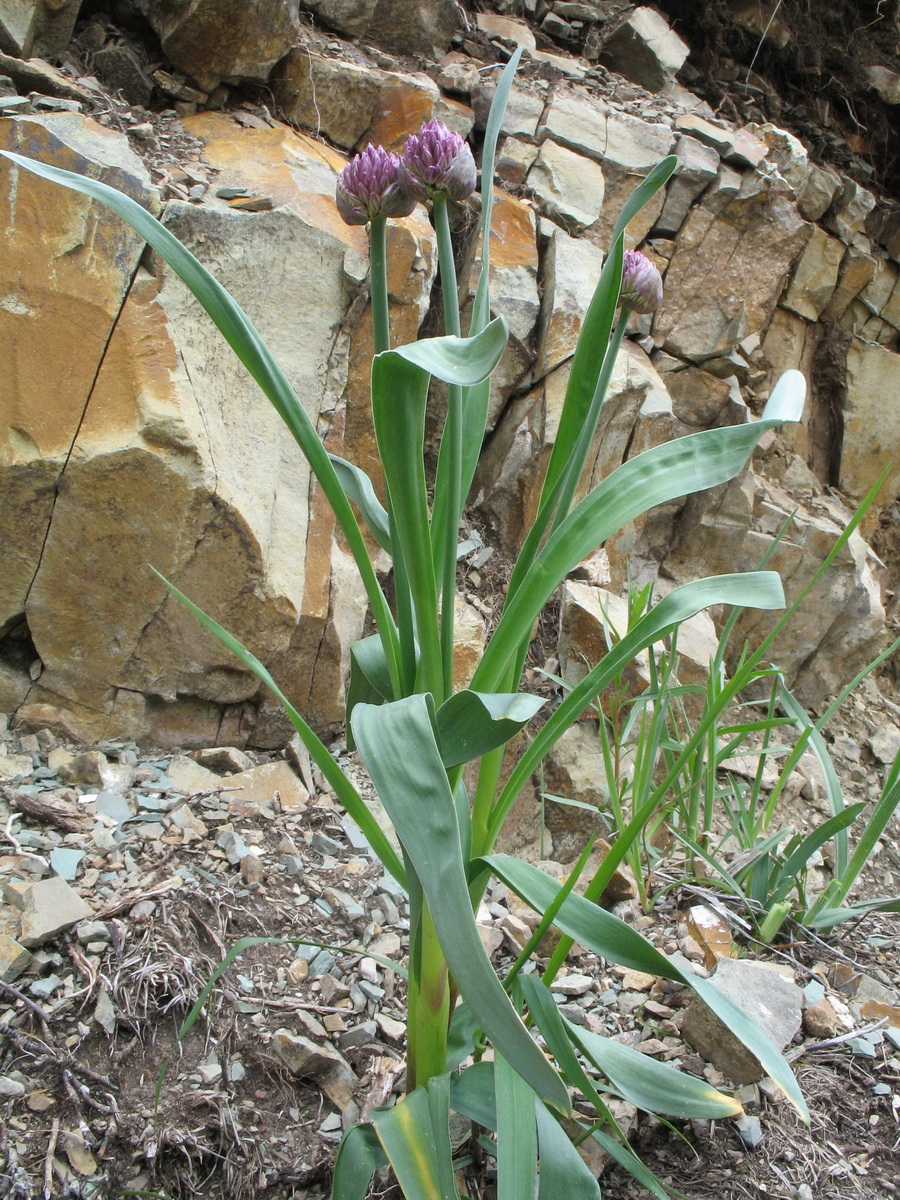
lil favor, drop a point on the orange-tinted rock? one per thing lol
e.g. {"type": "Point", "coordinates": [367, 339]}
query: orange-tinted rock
{"type": "Point", "coordinates": [231, 40]}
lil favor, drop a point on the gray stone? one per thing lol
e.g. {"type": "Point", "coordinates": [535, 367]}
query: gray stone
{"type": "Point", "coordinates": [105, 1013]}
{"type": "Point", "coordinates": [50, 907]}
{"type": "Point", "coordinates": [773, 1002]}
{"type": "Point", "coordinates": [113, 806]}
{"type": "Point", "coordinates": [11, 1087]}
{"type": "Point", "coordinates": [119, 68]}
{"type": "Point", "coordinates": [360, 1035]}
{"type": "Point", "coordinates": [36, 28]}
{"type": "Point", "coordinates": [572, 985]}
{"type": "Point", "coordinates": [645, 49]}
{"type": "Point", "coordinates": [885, 743]}
{"type": "Point", "coordinates": [65, 862]}
{"type": "Point", "coordinates": [43, 989]}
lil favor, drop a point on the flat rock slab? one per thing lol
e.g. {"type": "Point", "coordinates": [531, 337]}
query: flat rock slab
{"type": "Point", "coordinates": [50, 907]}
{"type": "Point", "coordinates": [764, 995]}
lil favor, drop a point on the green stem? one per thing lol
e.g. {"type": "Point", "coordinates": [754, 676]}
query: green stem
{"type": "Point", "coordinates": [381, 340]}
{"type": "Point", "coordinates": [429, 995]}
{"type": "Point", "coordinates": [452, 447]}
{"type": "Point", "coordinates": [381, 324]}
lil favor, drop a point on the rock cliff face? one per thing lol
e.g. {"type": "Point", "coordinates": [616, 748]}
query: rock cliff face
{"type": "Point", "coordinates": [129, 436]}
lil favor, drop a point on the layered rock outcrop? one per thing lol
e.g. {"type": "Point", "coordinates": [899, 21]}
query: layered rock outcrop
{"type": "Point", "coordinates": [129, 436]}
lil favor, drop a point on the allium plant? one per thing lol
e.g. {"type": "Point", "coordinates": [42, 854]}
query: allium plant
{"type": "Point", "coordinates": [492, 1047]}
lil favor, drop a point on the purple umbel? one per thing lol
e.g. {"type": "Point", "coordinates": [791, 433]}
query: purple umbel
{"type": "Point", "coordinates": [437, 160]}
{"type": "Point", "coordinates": [642, 288]}
{"type": "Point", "coordinates": [369, 187]}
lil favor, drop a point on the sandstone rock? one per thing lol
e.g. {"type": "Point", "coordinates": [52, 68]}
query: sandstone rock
{"type": "Point", "coordinates": [571, 271]}
{"type": "Point", "coordinates": [716, 293]}
{"type": "Point", "coordinates": [848, 213]}
{"type": "Point", "coordinates": [352, 104]}
{"type": "Point", "coordinates": [840, 626]}
{"type": "Point", "coordinates": [70, 260]}
{"type": "Point", "coordinates": [50, 907]}
{"type": "Point", "coordinates": [711, 933]}
{"type": "Point", "coordinates": [263, 784]}
{"type": "Point", "coordinates": [568, 186]}
{"type": "Point", "coordinates": [514, 160]}
{"type": "Point", "coordinates": [352, 17]}
{"type": "Point", "coordinates": [698, 166]}
{"type": "Point", "coordinates": [174, 418]}
{"type": "Point", "coordinates": [815, 276]}
{"type": "Point", "coordinates": [234, 41]}
{"type": "Point", "coordinates": [625, 146]}
{"type": "Point", "coordinates": [13, 959]}
{"type": "Point", "coordinates": [857, 272]}
{"type": "Point", "coordinates": [789, 155]}
{"type": "Point", "coordinates": [646, 49]}
{"type": "Point", "coordinates": [508, 29]}
{"type": "Point", "coordinates": [770, 1000]}
{"type": "Point", "coordinates": [871, 420]}
{"type": "Point", "coordinates": [37, 27]}
{"type": "Point", "coordinates": [821, 1021]}
{"type": "Point", "coordinates": [309, 1060]}
{"type": "Point", "coordinates": [878, 293]}
{"type": "Point", "coordinates": [815, 197]}
{"type": "Point", "coordinates": [190, 777]}
{"type": "Point", "coordinates": [736, 146]}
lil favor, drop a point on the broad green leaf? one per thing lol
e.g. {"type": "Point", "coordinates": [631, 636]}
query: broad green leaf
{"type": "Point", "coordinates": [564, 1173]}
{"type": "Point", "coordinates": [516, 1133]}
{"type": "Point", "coordinates": [461, 1038]}
{"type": "Point", "coordinates": [358, 486]}
{"type": "Point", "coordinates": [472, 723]}
{"type": "Point", "coordinates": [397, 744]}
{"type": "Point", "coordinates": [400, 380]}
{"type": "Point", "coordinates": [358, 1158]}
{"type": "Point", "coordinates": [472, 1095]}
{"type": "Point", "coordinates": [369, 681]}
{"type": "Point", "coordinates": [605, 935]}
{"type": "Point", "coordinates": [662, 473]}
{"type": "Point", "coordinates": [246, 342]}
{"type": "Point", "coordinates": [414, 1136]}
{"type": "Point", "coordinates": [319, 752]}
{"type": "Point", "coordinates": [653, 1086]}
{"type": "Point", "coordinates": [757, 589]}
{"type": "Point", "coordinates": [455, 360]}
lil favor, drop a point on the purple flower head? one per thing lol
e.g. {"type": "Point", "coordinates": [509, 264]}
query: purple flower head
{"type": "Point", "coordinates": [642, 288]}
{"type": "Point", "coordinates": [369, 187]}
{"type": "Point", "coordinates": [437, 160]}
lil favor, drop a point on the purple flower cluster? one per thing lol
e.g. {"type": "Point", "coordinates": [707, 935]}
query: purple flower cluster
{"type": "Point", "coordinates": [369, 187]}
{"type": "Point", "coordinates": [642, 289]}
{"type": "Point", "coordinates": [436, 161]}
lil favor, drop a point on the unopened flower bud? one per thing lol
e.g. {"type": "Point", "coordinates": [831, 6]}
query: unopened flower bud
{"type": "Point", "coordinates": [369, 187]}
{"type": "Point", "coordinates": [437, 160]}
{"type": "Point", "coordinates": [642, 288]}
